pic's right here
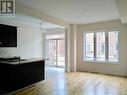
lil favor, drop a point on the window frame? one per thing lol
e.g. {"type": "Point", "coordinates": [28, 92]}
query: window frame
{"type": "Point", "coordinates": [94, 45]}
{"type": "Point", "coordinates": [85, 45]}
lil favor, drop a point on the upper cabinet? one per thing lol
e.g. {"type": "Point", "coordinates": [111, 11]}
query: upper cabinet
{"type": "Point", "coordinates": [8, 36]}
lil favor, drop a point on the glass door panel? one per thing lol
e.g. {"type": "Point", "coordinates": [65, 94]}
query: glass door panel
{"type": "Point", "coordinates": [56, 52]}
{"type": "Point", "coordinates": [60, 52]}
{"type": "Point", "coordinates": [51, 52]}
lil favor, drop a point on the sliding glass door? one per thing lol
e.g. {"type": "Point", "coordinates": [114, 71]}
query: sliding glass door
{"type": "Point", "coordinates": [56, 52]}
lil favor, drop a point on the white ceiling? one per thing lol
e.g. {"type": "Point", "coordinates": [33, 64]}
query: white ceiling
{"type": "Point", "coordinates": [31, 21]}
{"type": "Point", "coordinates": [76, 11]}
{"type": "Point", "coordinates": [34, 22]}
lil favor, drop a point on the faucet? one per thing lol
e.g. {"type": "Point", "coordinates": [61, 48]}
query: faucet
{"type": "Point", "coordinates": [18, 58]}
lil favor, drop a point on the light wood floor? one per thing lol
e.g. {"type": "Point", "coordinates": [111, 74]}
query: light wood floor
{"type": "Point", "coordinates": [79, 83]}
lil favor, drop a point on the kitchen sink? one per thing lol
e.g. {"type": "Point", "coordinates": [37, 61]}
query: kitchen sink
{"type": "Point", "coordinates": [17, 60]}
{"type": "Point", "coordinates": [23, 60]}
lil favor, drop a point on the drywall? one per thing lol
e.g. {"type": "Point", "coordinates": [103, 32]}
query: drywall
{"type": "Point", "coordinates": [29, 41]}
{"type": "Point", "coordinates": [40, 15]}
{"type": "Point", "coordinates": [115, 69]}
{"type": "Point", "coordinates": [122, 6]}
{"type": "Point", "coordinates": [73, 48]}
{"type": "Point", "coordinates": [55, 31]}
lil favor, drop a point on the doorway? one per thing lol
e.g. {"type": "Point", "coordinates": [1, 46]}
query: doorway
{"type": "Point", "coordinates": [55, 50]}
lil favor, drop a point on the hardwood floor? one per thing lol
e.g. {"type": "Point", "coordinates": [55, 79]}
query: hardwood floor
{"type": "Point", "coordinates": [78, 83]}
{"type": "Point", "coordinates": [51, 72]}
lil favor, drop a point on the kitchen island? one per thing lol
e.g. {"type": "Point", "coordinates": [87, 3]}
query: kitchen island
{"type": "Point", "coordinates": [15, 74]}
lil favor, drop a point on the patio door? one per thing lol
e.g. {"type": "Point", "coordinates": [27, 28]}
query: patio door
{"type": "Point", "coordinates": [56, 52]}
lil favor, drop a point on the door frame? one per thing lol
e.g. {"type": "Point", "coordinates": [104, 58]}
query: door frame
{"type": "Point", "coordinates": [56, 39]}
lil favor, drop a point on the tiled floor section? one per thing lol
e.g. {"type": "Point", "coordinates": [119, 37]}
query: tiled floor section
{"type": "Point", "coordinates": [79, 83]}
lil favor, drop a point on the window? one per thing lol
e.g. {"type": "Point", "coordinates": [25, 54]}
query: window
{"type": "Point", "coordinates": [113, 40]}
{"type": "Point", "coordinates": [101, 46]}
{"type": "Point", "coordinates": [89, 46]}
{"type": "Point", "coordinates": [100, 41]}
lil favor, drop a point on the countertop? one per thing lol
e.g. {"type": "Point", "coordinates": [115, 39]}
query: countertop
{"type": "Point", "coordinates": [22, 61]}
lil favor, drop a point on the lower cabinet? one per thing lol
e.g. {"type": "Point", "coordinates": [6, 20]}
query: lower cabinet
{"type": "Point", "coordinates": [14, 77]}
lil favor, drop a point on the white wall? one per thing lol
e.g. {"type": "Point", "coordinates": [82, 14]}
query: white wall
{"type": "Point", "coordinates": [73, 48]}
{"type": "Point", "coordinates": [23, 9]}
{"type": "Point", "coordinates": [122, 6]}
{"type": "Point", "coordinates": [55, 31]}
{"type": "Point", "coordinates": [115, 69]}
{"type": "Point", "coordinates": [29, 41]}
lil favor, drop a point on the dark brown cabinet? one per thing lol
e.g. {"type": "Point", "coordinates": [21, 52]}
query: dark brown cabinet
{"type": "Point", "coordinates": [8, 36]}
{"type": "Point", "coordinates": [17, 76]}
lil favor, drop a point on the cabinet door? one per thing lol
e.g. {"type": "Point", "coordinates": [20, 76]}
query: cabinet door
{"type": "Point", "coordinates": [4, 38]}
{"type": "Point", "coordinates": [8, 37]}
{"type": "Point", "coordinates": [12, 38]}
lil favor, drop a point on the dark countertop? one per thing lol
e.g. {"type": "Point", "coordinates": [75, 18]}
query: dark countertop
{"type": "Point", "coordinates": [23, 61]}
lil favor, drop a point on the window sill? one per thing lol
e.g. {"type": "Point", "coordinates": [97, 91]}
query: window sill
{"type": "Point", "coordinates": [102, 62]}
